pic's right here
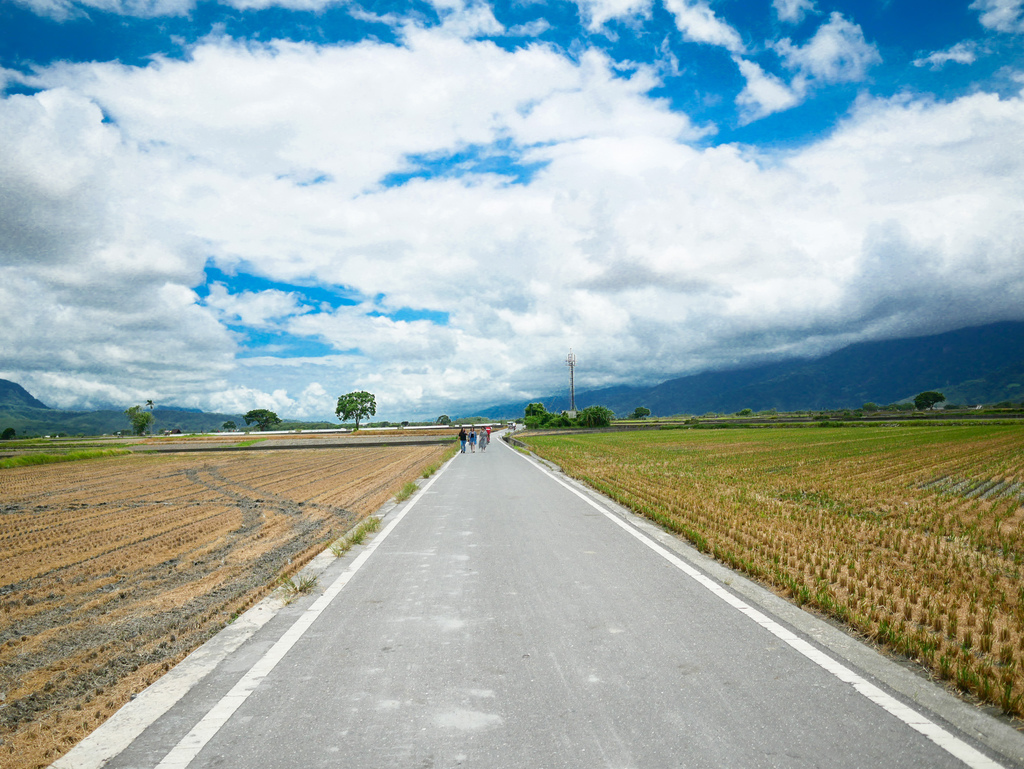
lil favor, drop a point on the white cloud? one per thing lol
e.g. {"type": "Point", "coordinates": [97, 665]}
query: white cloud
{"type": "Point", "coordinates": [54, 159]}
{"type": "Point", "coordinates": [961, 53]}
{"type": "Point", "coordinates": [838, 53]}
{"type": "Point", "coordinates": [295, 5]}
{"type": "Point", "coordinates": [763, 94]}
{"type": "Point", "coordinates": [627, 241]}
{"type": "Point", "coordinates": [256, 309]}
{"type": "Point", "coordinates": [1001, 15]}
{"type": "Point", "coordinates": [62, 10]}
{"type": "Point", "coordinates": [534, 28]}
{"type": "Point", "coordinates": [792, 11]}
{"type": "Point", "coordinates": [700, 24]}
{"type": "Point", "coordinates": [596, 13]}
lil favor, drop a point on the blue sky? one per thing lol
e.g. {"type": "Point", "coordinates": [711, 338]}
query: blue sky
{"type": "Point", "coordinates": [269, 203]}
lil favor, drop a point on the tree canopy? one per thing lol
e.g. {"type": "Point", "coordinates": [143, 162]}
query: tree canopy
{"type": "Point", "coordinates": [140, 419]}
{"type": "Point", "coordinates": [263, 418]}
{"type": "Point", "coordinates": [595, 416]}
{"type": "Point", "coordinates": [229, 425]}
{"type": "Point", "coordinates": [444, 419]}
{"type": "Point", "coordinates": [640, 412]}
{"type": "Point", "coordinates": [356, 405]}
{"type": "Point", "coordinates": [536, 410]}
{"type": "Point", "coordinates": [924, 401]}
{"type": "Point", "coordinates": [8, 434]}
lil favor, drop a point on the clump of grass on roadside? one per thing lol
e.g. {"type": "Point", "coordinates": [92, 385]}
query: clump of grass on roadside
{"type": "Point", "coordinates": [49, 459]}
{"type": "Point", "coordinates": [406, 491]}
{"type": "Point", "coordinates": [357, 536]}
{"type": "Point", "coordinates": [448, 454]}
{"type": "Point", "coordinates": [293, 588]}
{"type": "Point", "coordinates": [244, 444]}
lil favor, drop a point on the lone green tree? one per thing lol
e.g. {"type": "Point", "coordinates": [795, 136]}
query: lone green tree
{"type": "Point", "coordinates": [263, 419]}
{"type": "Point", "coordinates": [8, 434]}
{"type": "Point", "coordinates": [140, 419]}
{"type": "Point", "coordinates": [924, 401]}
{"type": "Point", "coordinates": [444, 419]}
{"type": "Point", "coordinates": [640, 412]}
{"type": "Point", "coordinates": [229, 426]}
{"type": "Point", "coordinates": [537, 416]}
{"type": "Point", "coordinates": [356, 405]}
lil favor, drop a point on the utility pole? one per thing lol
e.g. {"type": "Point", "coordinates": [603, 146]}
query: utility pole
{"type": "Point", "coordinates": [571, 363]}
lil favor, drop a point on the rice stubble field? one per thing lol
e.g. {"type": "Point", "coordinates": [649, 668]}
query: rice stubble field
{"type": "Point", "coordinates": [912, 536]}
{"type": "Point", "coordinates": [114, 569]}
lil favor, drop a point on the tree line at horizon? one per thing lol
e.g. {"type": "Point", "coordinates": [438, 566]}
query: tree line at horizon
{"type": "Point", "coordinates": [359, 405]}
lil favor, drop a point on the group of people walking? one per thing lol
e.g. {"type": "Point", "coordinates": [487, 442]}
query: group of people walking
{"type": "Point", "coordinates": [474, 438]}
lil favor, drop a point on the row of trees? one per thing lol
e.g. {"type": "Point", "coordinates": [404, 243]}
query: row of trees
{"type": "Point", "coordinates": [354, 405]}
{"type": "Point", "coordinates": [359, 405]}
{"type": "Point", "coordinates": [592, 416]}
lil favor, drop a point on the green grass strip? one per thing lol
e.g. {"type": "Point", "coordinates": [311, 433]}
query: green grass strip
{"type": "Point", "coordinates": [48, 459]}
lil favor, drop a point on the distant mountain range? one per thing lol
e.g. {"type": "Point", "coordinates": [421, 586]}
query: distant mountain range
{"type": "Point", "coordinates": [984, 364]}
{"type": "Point", "coordinates": [29, 416]}
{"type": "Point", "coordinates": [977, 365]}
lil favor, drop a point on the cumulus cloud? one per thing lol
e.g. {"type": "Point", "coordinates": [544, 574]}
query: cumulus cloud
{"type": "Point", "coordinates": [62, 10]}
{"type": "Point", "coordinates": [534, 28]}
{"type": "Point", "coordinates": [961, 53]}
{"type": "Point", "coordinates": [256, 309]}
{"type": "Point", "coordinates": [763, 94]}
{"type": "Point", "coordinates": [699, 24]}
{"type": "Point", "coordinates": [837, 53]}
{"type": "Point", "coordinates": [596, 13]}
{"type": "Point", "coordinates": [793, 11]}
{"type": "Point", "coordinates": [1001, 15]}
{"type": "Point", "coordinates": [624, 238]}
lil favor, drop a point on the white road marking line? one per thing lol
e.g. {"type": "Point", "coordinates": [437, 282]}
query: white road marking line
{"type": "Point", "coordinates": [951, 744]}
{"type": "Point", "coordinates": [182, 754]}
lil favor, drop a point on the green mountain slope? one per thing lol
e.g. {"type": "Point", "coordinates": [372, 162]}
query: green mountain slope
{"type": "Point", "coordinates": [14, 395]}
{"type": "Point", "coordinates": [975, 365]}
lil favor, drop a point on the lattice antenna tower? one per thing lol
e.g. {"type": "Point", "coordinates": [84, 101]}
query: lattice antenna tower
{"type": "Point", "coordinates": [571, 363]}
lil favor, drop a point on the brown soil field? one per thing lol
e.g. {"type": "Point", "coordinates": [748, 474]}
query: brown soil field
{"type": "Point", "coordinates": [113, 570]}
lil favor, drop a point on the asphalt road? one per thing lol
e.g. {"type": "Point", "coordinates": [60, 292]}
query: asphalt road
{"type": "Point", "coordinates": [505, 618]}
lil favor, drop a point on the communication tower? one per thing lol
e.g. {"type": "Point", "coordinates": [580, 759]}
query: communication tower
{"type": "Point", "coordinates": [571, 363]}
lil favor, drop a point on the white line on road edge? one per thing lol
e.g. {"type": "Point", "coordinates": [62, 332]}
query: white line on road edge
{"type": "Point", "coordinates": [951, 744]}
{"type": "Point", "coordinates": [188, 748]}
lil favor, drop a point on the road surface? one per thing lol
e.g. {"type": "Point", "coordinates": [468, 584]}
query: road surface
{"type": "Point", "coordinates": [504, 617]}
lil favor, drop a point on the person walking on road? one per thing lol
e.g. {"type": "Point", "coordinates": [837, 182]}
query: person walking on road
{"type": "Point", "coordinates": [463, 437]}
{"type": "Point", "coordinates": [472, 440]}
{"type": "Point", "coordinates": [483, 440]}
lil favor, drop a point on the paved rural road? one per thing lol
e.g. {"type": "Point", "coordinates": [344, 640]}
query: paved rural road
{"type": "Point", "coordinates": [505, 618]}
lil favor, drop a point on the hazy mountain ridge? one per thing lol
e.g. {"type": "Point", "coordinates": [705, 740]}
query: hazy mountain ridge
{"type": "Point", "coordinates": [47, 421]}
{"type": "Point", "coordinates": [984, 364]}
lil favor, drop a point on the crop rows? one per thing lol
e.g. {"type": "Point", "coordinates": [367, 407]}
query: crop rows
{"type": "Point", "coordinates": [112, 570]}
{"type": "Point", "coordinates": [882, 528]}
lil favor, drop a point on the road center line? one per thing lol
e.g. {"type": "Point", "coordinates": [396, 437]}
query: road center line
{"type": "Point", "coordinates": [941, 737]}
{"type": "Point", "coordinates": [182, 754]}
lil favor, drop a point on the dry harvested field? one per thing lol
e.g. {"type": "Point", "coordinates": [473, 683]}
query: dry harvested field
{"type": "Point", "coordinates": [112, 570]}
{"type": "Point", "coordinates": [911, 535]}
